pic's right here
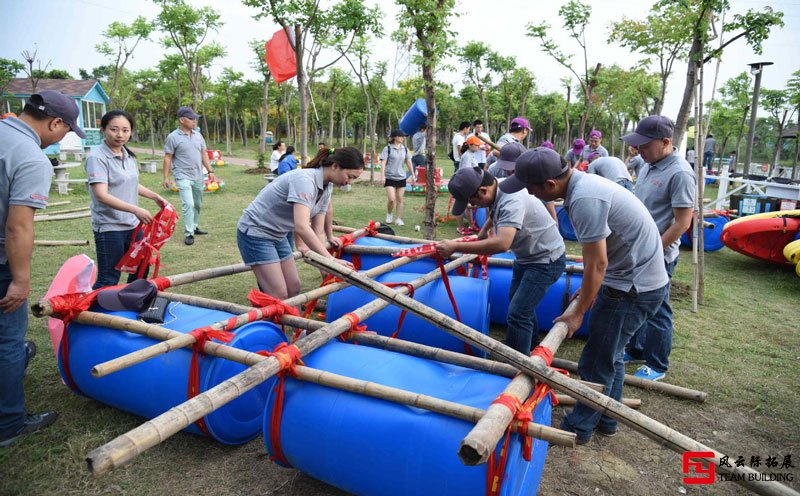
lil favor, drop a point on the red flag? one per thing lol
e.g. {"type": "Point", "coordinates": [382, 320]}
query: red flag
{"type": "Point", "coordinates": [280, 57]}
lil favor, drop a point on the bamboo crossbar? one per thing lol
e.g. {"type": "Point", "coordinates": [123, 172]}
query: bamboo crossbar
{"type": "Point", "coordinates": [651, 428]}
{"type": "Point", "coordinates": [482, 440]}
{"type": "Point", "coordinates": [69, 211]}
{"type": "Point", "coordinates": [156, 430]}
{"type": "Point", "coordinates": [245, 316]}
{"type": "Point", "coordinates": [632, 380]}
{"type": "Point", "coordinates": [564, 400]}
{"type": "Point", "coordinates": [54, 217]}
{"type": "Point", "coordinates": [58, 203]}
{"type": "Point", "coordinates": [61, 242]}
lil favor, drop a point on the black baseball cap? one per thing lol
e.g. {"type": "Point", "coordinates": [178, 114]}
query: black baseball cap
{"type": "Point", "coordinates": [187, 112]}
{"type": "Point", "coordinates": [509, 155]}
{"type": "Point", "coordinates": [650, 128]}
{"type": "Point", "coordinates": [534, 167]}
{"type": "Point", "coordinates": [396, 133]}
{"type": "Point", "coordinates": [57, 104]}
{"type": "Point", "coordinates": [134, 297]}
{"type": "Point", "coordinates": [462, 186]}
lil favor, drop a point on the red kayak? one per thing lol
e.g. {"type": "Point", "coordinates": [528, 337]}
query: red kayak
{"type": "Point", "coordinates": [763, 236]}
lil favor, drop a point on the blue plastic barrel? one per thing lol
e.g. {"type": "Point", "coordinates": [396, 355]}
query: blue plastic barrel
{"type": "Point", "coordinates": [565, 225]}
{"type": "Point", "coordinates": [471, 295]}
{"type": "Point", "coordinates": [153, 387]}
{"type": "Point", "coordinates": [368, 446]}
{"type": "Point", "coordinates": [422, 266]}
{"type": "Point", "coordinates": [479, 216]}
{"type": "Point", "coordinates": [712, 236]}
{"type": "Point", "coordinates": [414, 117]}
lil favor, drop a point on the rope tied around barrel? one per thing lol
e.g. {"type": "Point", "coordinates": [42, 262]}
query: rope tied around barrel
{"type": "Point", "coordinates": [203, 335]}
{"type": "Point", "coordinates": [355, 328]}
{"type": "Point", "coordinates": [288, 356]}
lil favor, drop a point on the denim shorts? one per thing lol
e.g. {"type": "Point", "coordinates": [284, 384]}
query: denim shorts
{"type": "Point", "coordinates": [262, 251]}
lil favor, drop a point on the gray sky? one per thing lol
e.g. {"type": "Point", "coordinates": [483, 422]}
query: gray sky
{"type": "Point", "coordinates": [67, 31]}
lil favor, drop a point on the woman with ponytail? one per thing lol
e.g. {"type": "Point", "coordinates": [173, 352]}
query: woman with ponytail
{"type": "Point", "coordinates": [298, 202]}
{"type": "Point", "coordinates": [114, 188]}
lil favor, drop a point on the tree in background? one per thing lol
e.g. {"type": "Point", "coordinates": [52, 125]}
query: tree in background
{"type": "Point", "coordinates": [576, 17]}
{"type": "Point", "coordinates": [779, 105]}
{"type": "Point", "coordinates": [260, 65]}
{"type": "Point", "coordinates": [429, 20]}
{"type": "Point", "coordinates": [121, 40]}
{"type": "Point", "coordinates": [735, 105]}
{"type": "Point", "coordinates": [34, 74]}
{"type": "Point", "coordinates": [793, 87]}
{"type": "Point", "coordinates": [227, 84]}
{"type": "Point", "coordinates": [474, 57]}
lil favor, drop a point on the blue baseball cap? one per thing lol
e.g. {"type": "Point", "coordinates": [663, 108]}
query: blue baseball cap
{"type": "Point", "coordinates": [57, 104]}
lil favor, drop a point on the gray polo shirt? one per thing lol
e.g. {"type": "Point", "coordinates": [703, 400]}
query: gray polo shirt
{"type": "Point", "coordinates": [709, 145]}
{"type": "Point", "coordinates": [572, 158]}
{"type": "Point", "coordinates": [122, 178]}
{"type": "Point", "coordinates": [25, 172]}
{"type": "Point", "coordinates": [600, 209]}
{"type": "Point", "coordinates": [502, 141]}
{"type": "Point", "coordinates": [537, 239]}
{"type": "Point", "coordinates": [418, 142]}
{"type": "Point", "coordinates": [610, 168]}
{"type": "Point", "coordinates": [588, 151]}
{"type": "Point", "coordinates": [395, 160]}
{"type": "Point", "coordinates": [186, 150]}
{"type": "Point", "coordinates": [635, 164]}
{"type": "Point", "coordinates": [497, 172]}
{"type": "Point", "coordinates": [662, 186]}
{"type": "Point", "coordinates": [271, 214]}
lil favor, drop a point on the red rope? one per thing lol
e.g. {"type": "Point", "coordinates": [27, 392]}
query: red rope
{"type": "Point", "coordinates": [446, 281]}
{"type": "Point", "coordinates": [202, 335]}
{"type": "Point", "coordinates": [355, 328]}
{"type": "Point", "coordinates": [545, 354]}
{"type": "Point", "coordinates": [269, 306]}
{"type": "Point", "coordinates": [404, 311]}
{"type": "Point", "coordinates": [161, 283]}
{"type": "Point", "coordinates": [288, 356]}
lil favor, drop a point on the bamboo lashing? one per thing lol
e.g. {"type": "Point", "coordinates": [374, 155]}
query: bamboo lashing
{"type": "Point", "coordinates": [482, 440]}
{"type": "Point", "coordinates": [55, 217]}
{"type": "Point", "coordinates": [61, 242]}
{"type": "Point", "coordinates": [653, 429]}
{"type": "Point", "coordinates": [131, 444]}
{"type": "Point", "coordinates": [631, 380]}
{"type": "Point", "coordinates": [413, 241]}
{"type": "Point", "coordinates": [245, 316]}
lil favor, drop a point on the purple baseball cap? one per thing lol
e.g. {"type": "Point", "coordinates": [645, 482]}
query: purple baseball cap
{"type": "Point", "coordinates": [592, 156]}
{"type": "Point", "coordinates": [462, 186]}
{"type": "Point", "coordinates": [534, 167]}
{"type": "Point", "coordinates": [509, 155]}
{"type": "Point", "coordinates": [547, 144]}
{"type": "Point", "coordinates": [187, 112]}
{"type": "Point", "coordinates": [650, 128]}
{"type": "Point", "coordinates": [518, 123]}
{"type": "Point", "coordinates": [57, 104]}
{"type": "Point", "coordinates": [578, 145]}
{"type": "Point", "coordinates": [595, 134]}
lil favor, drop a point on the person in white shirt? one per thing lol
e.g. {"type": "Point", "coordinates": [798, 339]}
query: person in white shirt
{"type": "Point", "coordinates": [480, 156]}
{"type": "Point", "coordinates": [278, 149]}
{"type": "Point", "coordinates": [458, 141]}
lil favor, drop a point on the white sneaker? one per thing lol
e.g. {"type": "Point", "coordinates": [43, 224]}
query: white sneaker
{"type": "Point", "coordinates": [389, 218]}
{"type": "Point", "coordinates": [399, 222]}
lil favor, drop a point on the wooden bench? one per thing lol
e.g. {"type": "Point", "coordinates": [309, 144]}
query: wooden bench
{"type": "Point", "coordinates": [63, 184]}
{"type": "Point", "coordinates": [148, 166]}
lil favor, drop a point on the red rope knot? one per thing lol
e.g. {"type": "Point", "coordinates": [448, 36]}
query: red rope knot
{"type": "Point", "coordinates": [68, 306]}
{"type": "Point", "coordinates": [161, 283]}
{"type": "Point", "coordinates": [545, 354]}
{"type": "Point", "coordinates": [511, 402]}
{"type": "Point", "coordinates": [202, 335]}
{"type": "Point", "coordinates": [288, 356]}
{"type": "Point", "coordinates": [270, 306]}
{"type": "Point", "coordinates": [355, 328]}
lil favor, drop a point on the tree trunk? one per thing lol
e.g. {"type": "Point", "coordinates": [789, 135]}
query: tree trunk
{"type": "Point", "coordinates": [262, 145]}
{"type": "Point", "coordinates": [302, 88]}
{"type": "Point", "coordinates": [741, 133]}
{"type": "Point", "coordinates": [659, 103]}
{"type": "Point", "coordinates": [688, 94]}
{"type": "Point", "coordinates": [430, 155]}
{"type": "Point", "coordinates": [330, 114]}
{"type": "Point", "coordinates": [567, 145]}
{"type": "Point", "coordinates": [227, 127]}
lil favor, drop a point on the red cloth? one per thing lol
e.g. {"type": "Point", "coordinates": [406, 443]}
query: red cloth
{"type": "Point", "coordinates": [280, 57]}
{"type": "Point", "coordinates": [145, 251]}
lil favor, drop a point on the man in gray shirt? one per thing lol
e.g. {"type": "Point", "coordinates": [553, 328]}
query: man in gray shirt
{"type": "Point", "coordinates": [522, 224]}
{"type": "Point", "coordinates": [613, 169]}
{"type": "Point", "coordinates": [667, 188]}
{"type": "Point", "coordinates": [418, 143]}
{"type": "Point", "coordinates": [623, 273]}
{"type": "Point", "coordinates": [25, 174]}
{"type": "Point", "coordinates": [709, 149]}
{"type": "Point", "coordinates": [185, 153]}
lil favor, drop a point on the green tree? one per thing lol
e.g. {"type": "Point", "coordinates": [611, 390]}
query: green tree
{"type": "Point", "coordinates": [429, 20]}
{"type": "Point", "coordinates": [662, 36]}
{"type": "Point", "coordinates": [736, 97]}
{"type": "Point", "coordinates": [475, 56]}
{"type": "Point", "coordinates": [779, 105]}
{"type": "Point", "coordinates": [120, 41]}
{"type": "Point", "coordinates": [227, 84]}
{"type": "Point", "coordinates": [187, 29]}
{"type": "Point", "coordinates": [793, 87]}
{"type": "Point", "coordinates": [8, 71]}
{"type": "Point", "coordinates": [260, 65]}
{"type": "Point", "coordinates": [576, 17]}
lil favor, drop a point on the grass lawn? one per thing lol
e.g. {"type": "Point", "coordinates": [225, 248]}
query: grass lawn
{"type": "Point", "coordinates": [743, 347]}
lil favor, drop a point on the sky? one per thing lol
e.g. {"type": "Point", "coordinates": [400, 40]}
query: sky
{"type": "Point", "coordinates": [66, 32]}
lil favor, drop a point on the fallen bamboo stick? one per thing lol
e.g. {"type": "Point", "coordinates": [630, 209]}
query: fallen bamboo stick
{"type": "Point", "coordinates": [482, 440]}
{"type": "Point", "coordinates": [55, 217]}
{"type": "Point", "coordinates": [156, 430]}
{"type": "Point", "coordinates": [58, 203]}
{"type": "Point", "coordinates": [651, 428]}
{"type": "Point", "coordinates": [245, 316]}
{"type": "Point", "coordinates": [69, 211]}
{"type": "Point", "coordinates": [564, 400]}
{"type": "Point", "coordinates": [631, 380]}
{"type": "Point", "coordinates": [61, 242]}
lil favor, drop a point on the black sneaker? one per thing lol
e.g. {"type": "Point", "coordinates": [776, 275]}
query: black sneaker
{"type": "Point", "coordinates": [199, 231]}
{"type": "Point", "coordinates": [606, 431]}
{"type": "Point", "coordinates": [30, 352]}
{"type": "Point", "coordinates": [32, 424]}
{"type": "Point", "coordinates": [188, 240]}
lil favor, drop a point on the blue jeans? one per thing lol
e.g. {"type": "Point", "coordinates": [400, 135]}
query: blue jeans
{"type": "Point", "coordinates": [191, 193]}
{"type": "Point", "coordinates": [614, 318]}
{"type": "Point", "coordinates": [529, 283]}
{"type": "Point", "coordinates": [110, 247]}
{"type": "Point", "coordinates": [12, 362]}
{"type": "Point", "coordinates": [626, 183]}
{"type": "Point", "coordinates": [418, 161]}
{"type": "Point", "coordinates": [708, 160]}
{"type": "Point", "coordinates": [652, 342]}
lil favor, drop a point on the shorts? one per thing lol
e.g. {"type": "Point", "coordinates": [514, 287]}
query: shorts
{"type": "Point", "coordinates": [262, 251]}
{"type": "Point", "coordinates": [394, 183]}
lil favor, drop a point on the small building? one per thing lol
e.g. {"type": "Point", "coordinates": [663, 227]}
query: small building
{"type": "Point", "coordinates": [89, 96]}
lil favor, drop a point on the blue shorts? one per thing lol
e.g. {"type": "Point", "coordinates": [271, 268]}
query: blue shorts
{"type": "Point", "coordinates": [262, 251]}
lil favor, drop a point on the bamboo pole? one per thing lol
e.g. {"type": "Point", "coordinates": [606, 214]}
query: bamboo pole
{"type": "Point", "coordinates": [653, 429]}
{"type": "Point", "coordinates": [55, 217]}
{"type": "Point", "coordinates": [482, 440]}
{"type": "Point", "coordinates": [61, 242]}
{"type": "Point", "coordinates": [245, 316]}
{"type": "Point", "coordinates": [69, 211]}
{"type": "Point", "coordinates": [564, 400]}
{"type": "Point", "coordinates": [632, 380]}
{"type": "Point", "coordinates": [58, 203]}
{"type": "Point", "coordinates": [156, 430]}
